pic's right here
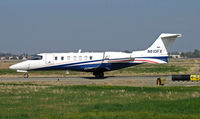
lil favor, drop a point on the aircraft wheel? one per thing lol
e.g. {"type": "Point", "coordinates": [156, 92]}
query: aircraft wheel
{"type": "Point", "coordinates": [98, 75]}
{"type": "Point", "coordinates": [26, 75]}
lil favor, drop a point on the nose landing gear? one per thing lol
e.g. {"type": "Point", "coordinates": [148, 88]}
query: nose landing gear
{"type": "Point", "coordinates": [26, 75]}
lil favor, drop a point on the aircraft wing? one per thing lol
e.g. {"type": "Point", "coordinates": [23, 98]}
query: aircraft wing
{"type": "Point", "coordinates": [122, 60]}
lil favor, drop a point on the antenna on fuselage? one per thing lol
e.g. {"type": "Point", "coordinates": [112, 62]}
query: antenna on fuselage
{"type": "Point", "coordinates": [79, 51]}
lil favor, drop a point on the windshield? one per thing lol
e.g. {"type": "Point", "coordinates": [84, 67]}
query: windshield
{"type": "Point", "coordinates": [36, 57]}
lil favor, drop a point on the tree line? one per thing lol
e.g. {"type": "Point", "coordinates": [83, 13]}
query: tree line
{"type": "Point", "coordinates": [194, 54]}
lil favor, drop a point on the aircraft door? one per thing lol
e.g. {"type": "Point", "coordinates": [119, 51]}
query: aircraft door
{"type": "Point", "coordinates": [106, 60]}
{"type": "Point", "coordinates": [49, 58]}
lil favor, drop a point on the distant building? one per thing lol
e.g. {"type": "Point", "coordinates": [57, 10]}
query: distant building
{"type": "Point", "coordinates": [7, 56]}
{"type": "Point", "coordinates": [3, 58]}
{"type": "Point", "coordinates": [175, 56]}
{"type": "Point", "coordinates": [10, 58]}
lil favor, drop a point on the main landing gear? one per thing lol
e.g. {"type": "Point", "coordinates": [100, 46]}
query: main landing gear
{"type": "Point", "coordinates": [98, 74]}
{"type": "Point", "coordinates": [26, 75]}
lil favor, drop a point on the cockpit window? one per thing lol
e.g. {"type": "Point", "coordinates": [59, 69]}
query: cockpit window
{"type": "Point", "coordinates": [90, 57]}
{"type": "Point", "coordinates": [36, 57]}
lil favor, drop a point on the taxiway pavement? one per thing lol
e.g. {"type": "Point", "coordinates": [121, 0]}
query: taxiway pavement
{"type": "Point", "coordinates": [147, 81]}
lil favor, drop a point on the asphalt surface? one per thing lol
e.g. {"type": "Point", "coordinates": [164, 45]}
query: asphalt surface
{"type": "Point", "coordinates": [114, 81]}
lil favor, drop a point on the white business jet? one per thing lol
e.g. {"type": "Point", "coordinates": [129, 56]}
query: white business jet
{"type": "Point", "coordinates": [99, 62]}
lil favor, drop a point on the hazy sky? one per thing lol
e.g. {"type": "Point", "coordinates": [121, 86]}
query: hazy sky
{"type": "Point", "coordinates": [34, 26]}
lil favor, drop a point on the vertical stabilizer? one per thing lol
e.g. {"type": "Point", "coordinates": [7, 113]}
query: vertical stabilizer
{"type": "Point", "coordinates": [163, 44]}
{"type": "Point", "coordinates": [158, 51]}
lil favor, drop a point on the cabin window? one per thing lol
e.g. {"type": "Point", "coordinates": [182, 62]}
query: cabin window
{"type": "Point", "coordinates": [62, 58]}
{"type": "Point", "coordinates": [56, 58]}
{"type": "Point", "coordinates": [74, 58]}
{"type": "Point", "coordinates": [85, 57]}
{"type": "Point", "coordinates": [80, 57]}
{"type": "Point", "coordinates": [90, 57]}
{"type": "Point", "coordinates": [68, 58]}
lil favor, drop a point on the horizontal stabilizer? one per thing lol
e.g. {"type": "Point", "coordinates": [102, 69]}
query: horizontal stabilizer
{"type": "Point", "coordinates": [171, 35]}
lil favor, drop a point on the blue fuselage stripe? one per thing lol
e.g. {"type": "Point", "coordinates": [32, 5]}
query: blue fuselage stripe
{"type": "Point", "coordinates": [81, 66]}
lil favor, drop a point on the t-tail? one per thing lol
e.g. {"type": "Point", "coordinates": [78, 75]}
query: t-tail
{"type": "Point", "coordinates": [158, 52]}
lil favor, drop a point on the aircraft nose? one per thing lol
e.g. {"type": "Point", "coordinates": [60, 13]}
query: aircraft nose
{"type": "Point", "coordinates": [19, 66]}
{"type": "Point", "coordinates": [14, 67]}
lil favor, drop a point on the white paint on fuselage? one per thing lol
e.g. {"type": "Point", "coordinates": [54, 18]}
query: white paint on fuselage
{"type": "Point", "coordinates": [55, 59]}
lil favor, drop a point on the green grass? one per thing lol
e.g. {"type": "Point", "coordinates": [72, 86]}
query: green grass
{"type": "Point", "coordinates": [26, 100]}
{"type": "Point", "coordinates": [155, 68]}
{"type": "Point", "coordinates": [7, 71]}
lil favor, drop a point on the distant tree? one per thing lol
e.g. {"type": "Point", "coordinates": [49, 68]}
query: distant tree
{"type": "Point", "coordinates": [183, 54]}
{"type": "Point", "coordinates": [194, 54]}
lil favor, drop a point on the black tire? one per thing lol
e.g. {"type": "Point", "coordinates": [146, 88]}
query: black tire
{"type": "Point", "coordinates": [98, 75]}
{"type": "Point", "coordinates": [26, 75]}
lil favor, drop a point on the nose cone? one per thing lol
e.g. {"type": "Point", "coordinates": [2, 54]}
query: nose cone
{"type": "Point", "coordinates": [14, 67]}
{"type": "Point", "coordinates": [20, 66]}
